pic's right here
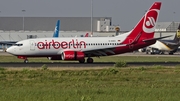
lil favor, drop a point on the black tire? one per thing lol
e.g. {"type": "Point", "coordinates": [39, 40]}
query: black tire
{"type": "Point", "coordinates": [171, 53]}
{"type": "Point", "coordinates": [90, 60]}
{"type": "Point", "coordinates": [26, 61]}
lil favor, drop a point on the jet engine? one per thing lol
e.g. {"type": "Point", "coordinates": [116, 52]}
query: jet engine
{"type": "Point", "coordinates": [72, 55]}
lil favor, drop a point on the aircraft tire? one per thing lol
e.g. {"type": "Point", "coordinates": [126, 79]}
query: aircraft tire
{"type": "Point", "coordinates": [90, 60]}
{"type": "Point", "coordinates": [26, 61]}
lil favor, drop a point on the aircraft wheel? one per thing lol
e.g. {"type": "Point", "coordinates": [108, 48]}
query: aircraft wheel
{"type": "Point", "coordinates": [82, 61]}
{"type": "Point", "coordinates": [26, 61]}
{"type": "Point", "coordinates": [90, 60]}
{"type": "Point", "coordinates": [171, 53]}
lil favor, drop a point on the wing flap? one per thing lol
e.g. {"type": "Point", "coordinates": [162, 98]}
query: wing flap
{"type": "Point", "coordinates": [102, 51]}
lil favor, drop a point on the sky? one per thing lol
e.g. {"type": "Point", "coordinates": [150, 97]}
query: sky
{"type": "Point", "coordinates": [125, 13]}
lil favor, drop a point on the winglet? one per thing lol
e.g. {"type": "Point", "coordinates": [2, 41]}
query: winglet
{"type": "Point", "coordinates": [56, 30]}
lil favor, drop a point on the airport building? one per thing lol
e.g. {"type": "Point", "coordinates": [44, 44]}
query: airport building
{"type": "Point", "coordinates": [19, 28]}
{"type": "Point", "coordinates": [47, 23]}
{"type": "Point", "coordinates": [166, 28]}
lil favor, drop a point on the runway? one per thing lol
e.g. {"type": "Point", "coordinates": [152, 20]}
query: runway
{"type": "Point", "coordinates": [96, 64]}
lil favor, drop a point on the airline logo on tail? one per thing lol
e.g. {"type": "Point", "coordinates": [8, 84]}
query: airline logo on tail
{"type": "Point", "coordinates": [87, 34]}
{"type": "Point", "coordinates": [178, 32]}
{"type": "Point", "coordinates": [56, 30]}
{"type": "Point", "coordinates": [150, 20]}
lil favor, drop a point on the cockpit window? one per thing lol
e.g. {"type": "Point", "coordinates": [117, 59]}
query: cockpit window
{"type": "Point", "coordinates": [18, 44]}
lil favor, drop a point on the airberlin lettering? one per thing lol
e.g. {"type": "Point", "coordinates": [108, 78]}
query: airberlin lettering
{"type": "Point", "coordinates": [64, 44]}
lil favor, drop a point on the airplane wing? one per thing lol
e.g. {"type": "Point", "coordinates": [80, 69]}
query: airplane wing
{"type": "Point", "coordinates": [102, 51]}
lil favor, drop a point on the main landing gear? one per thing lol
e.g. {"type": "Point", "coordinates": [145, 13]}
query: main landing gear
{"type": "Point", "coordinates": [89, 60]}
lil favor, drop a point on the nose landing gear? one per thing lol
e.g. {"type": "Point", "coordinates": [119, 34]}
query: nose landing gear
{"type": "Point", "coordinates": [23, 57]}
{"type": "Point", "coordinates": [26, 61]}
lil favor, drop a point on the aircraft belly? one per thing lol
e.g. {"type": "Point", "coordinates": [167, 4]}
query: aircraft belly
{"type": "Point", "coordinates": [45, 52]}
{"type": "Point", "coordinates": [39, 53]}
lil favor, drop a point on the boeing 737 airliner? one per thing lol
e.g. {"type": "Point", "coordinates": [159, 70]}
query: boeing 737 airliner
{"type": "Point", "coordinates": [77, 48]}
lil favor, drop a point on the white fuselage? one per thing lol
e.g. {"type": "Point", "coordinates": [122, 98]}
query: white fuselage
{"type": "Point", "coordinates": [160, 46]}
{"type": "Point", "coordinates": [55, 46]}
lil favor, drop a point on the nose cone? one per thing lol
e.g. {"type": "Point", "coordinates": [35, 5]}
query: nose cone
{"type": "Point", "coordinates": [9, 50]}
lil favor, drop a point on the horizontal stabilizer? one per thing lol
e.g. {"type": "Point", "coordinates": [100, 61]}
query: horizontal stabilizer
{"type": "Point", "coordinates": [154, 39]}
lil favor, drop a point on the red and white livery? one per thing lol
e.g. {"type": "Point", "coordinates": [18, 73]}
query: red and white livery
{"type": "Point", "coordinates": [78, 48]}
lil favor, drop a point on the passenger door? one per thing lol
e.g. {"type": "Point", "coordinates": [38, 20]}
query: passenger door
{"type": "Point", "coordinates": [32, 45]}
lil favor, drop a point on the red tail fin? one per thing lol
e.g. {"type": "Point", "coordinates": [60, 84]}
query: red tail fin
{"type": "Point", "coordinates": [87, 34]}
{"type": "Point", "coordinates": [146, 26]}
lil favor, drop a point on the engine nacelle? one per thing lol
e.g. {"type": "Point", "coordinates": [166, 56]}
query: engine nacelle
{"type": "Point", "coordinates": [72, 55]}
{"type": "Point", "coordinates": [55, 58]}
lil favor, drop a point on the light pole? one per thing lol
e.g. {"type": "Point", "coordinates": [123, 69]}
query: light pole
{"type": "Point", "coordinates": [91, 17]}
{"type": "Point", "coordinates": [23, 18]}
{"type": "Point", "coordinates": [174, 25]}
{"type": "Point", "coordinates": [174, 16]}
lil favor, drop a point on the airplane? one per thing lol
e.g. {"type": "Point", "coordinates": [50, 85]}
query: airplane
{"type": "Point", "coordinates": [162, 46]}
{"type": "Point", "coordinates": [79, 48]}
{"type": "Point", "coordinates": [86, 35]}
{"type": "Point", "coordinates": [56, 34]}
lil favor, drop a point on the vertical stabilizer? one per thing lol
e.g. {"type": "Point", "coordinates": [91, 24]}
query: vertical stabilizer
{"type": "Point", "coordinates": [87, 34]}
{"type": "Point", "coordinates": [177, 36]}
{"type": "Point", "coordinates": [145, 28]}
{"type": "Point", "coordinates": [56, 30]}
